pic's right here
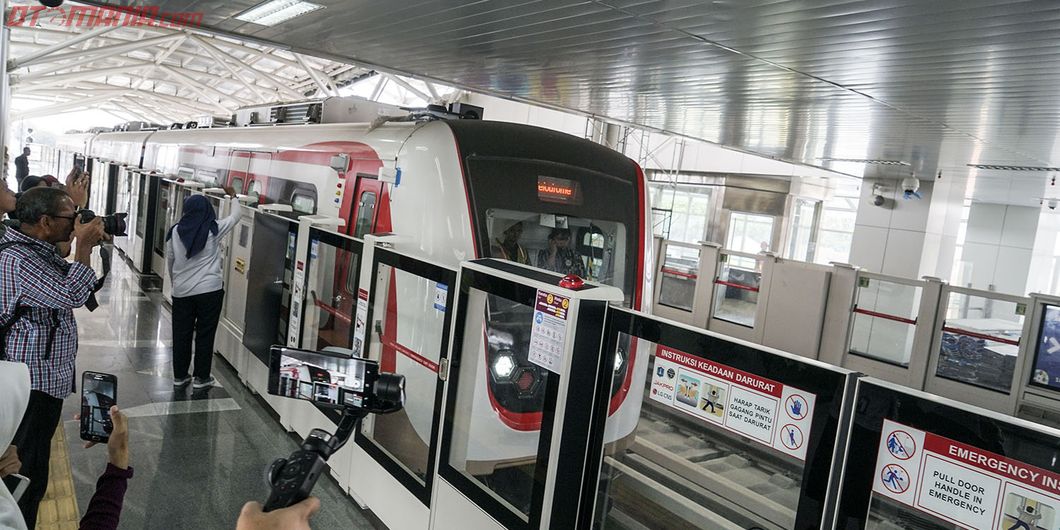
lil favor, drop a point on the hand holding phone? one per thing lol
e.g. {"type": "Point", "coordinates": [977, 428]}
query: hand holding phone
{"type": "Point", "coordinates": [9, 462]}
{"type": "Point", "coordinates": [99, 392]}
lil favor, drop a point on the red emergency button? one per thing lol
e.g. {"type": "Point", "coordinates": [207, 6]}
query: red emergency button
{"type": "Point", "coordinates": [572, 281]}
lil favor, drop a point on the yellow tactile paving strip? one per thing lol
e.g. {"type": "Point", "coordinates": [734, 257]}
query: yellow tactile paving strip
{"type": "Point", "coordinates": [58, 510]}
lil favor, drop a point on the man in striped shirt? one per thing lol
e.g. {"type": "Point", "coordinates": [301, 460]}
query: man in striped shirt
{"type": "Point", "coordinates": [38, 294]}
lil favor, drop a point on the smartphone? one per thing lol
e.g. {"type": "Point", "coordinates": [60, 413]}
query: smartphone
{"type": "Point", "coordinates": [99, 392]}
{"type": "Point", "coordinates": [327, 379]}
{"type": "Point", "coordinates": [79, 163]}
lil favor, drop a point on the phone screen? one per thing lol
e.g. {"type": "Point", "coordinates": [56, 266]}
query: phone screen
{"type": "Point", "coordinates": [98, 393]}
{"type": "Point", "coordinates": [323, 378]}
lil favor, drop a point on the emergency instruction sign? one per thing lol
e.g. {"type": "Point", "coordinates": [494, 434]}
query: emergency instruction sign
{"type": "Point", "coordinates": [764, 410]}
{"type": "Point", "coordinates": [548, 335]}
{"type": "Point", "coordinates": [962, 484]}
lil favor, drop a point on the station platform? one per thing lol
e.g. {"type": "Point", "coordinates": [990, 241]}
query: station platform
{"type": "Point", "coordinates": [198, 456]}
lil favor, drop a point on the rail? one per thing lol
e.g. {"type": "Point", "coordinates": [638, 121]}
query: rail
{"type": "Point", "coordinates": [885, 316]}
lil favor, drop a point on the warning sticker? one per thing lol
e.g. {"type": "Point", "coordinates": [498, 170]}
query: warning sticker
{"type": "Point", "coordinates": [962, 484]}
{"type": "Point", "coordinates": [549, 331]}
{"type": "Point", "coordinates": [764, 410]}
{"type": "Point", "coordinates": [360, 323]}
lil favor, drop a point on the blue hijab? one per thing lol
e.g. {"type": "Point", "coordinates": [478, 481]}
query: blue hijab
{"type": "Point", "coordinates": [196, 224]}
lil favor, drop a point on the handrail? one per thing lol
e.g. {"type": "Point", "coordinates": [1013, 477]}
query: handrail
{"type": "Point", "coordinates": [885, 316]}
{"type": "Point", "coordinates": [675, 272]}
{"type": "Point", "coordinates": [408, 352]}
{"type": "Point", "coordinates": [333, 312]}
{"type": "Point", "coordinates": [736, 285]}
{"type": "Point", "coordinates": [977, 335]}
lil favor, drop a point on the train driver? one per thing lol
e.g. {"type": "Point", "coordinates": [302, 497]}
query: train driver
{"type": "Point", "coordinates": [507, 246]}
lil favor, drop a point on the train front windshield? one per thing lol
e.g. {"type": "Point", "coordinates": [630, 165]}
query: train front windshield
{"type": "Point", "coordinates": [591, 249]}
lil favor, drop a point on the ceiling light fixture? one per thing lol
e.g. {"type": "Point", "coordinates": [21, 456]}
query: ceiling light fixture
{"type": "Point", "coordinates": [872, 161]}
{"type": "Point", "coordinates": [997, 167]}
{"type": "Point", "coordinates": [276, 11]}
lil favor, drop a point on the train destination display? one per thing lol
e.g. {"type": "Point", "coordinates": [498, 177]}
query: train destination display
{"type": "Point", "coordinates": [955, 483]}
{"type": "Point", "coordinates": [761, 409]}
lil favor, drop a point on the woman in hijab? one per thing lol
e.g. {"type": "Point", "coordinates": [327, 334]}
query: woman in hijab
{"type": "Point", "coordinates": [193, 257]}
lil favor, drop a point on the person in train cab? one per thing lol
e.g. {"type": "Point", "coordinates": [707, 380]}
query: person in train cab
{"type": "Point", "coordinates": [104, 509]}
{"type": "Point", "coordinates": [22, 166]}
{"type": "Point", "coordinates": [193, 257]}
{"type": "Point", "coordinates": [559, 256]}
{"type": "Point", "coordinates": [38, 294]}
{"type": "Point", "coordinates": [507, 246]}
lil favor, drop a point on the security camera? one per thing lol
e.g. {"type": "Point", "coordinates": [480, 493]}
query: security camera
{"type": "Point", "coordinates": [51, 3]}
{"type": "Point", "coordinates": [878, 200]}
{"type": "Point", "coordinates": [910, 185]}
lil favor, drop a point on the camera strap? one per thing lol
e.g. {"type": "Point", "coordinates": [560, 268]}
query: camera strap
{"type": "Point", "coordinates": [104, 256]}
{"type": "Point", "coordinates": [22, 310]}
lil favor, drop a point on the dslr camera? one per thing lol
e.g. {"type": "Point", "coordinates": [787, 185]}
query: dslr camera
{"type": "Point", "coordinates": [113, 225]}
{"type": "Point", "coordinates": [331, 380]}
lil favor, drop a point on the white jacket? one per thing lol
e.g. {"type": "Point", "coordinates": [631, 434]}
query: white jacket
{"type": "Point", "coordinates": [14, 379]}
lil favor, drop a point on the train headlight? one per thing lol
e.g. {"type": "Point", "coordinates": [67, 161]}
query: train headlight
{"type": "Point", "coordinates": [503, 365]}
{"type": "Point", "coordinates": [619, 361]}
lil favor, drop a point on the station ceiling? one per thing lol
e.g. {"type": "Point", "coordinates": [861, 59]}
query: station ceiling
{"type": "Point", "coordinates": [936, 85]}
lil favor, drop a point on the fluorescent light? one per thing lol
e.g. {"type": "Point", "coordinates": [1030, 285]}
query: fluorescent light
{"type": "Point", "coordinates": [276, 11]}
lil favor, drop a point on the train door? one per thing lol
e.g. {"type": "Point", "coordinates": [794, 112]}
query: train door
{"type": "Point", "coordinates": [163, 204]}
{"type": "Point", "coordinates": [252, 168]}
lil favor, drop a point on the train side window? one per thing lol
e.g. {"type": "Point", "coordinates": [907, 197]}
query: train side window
{"type": "Point", "coordinates": [237, 184]}
{"type": "Point", "coordinates": [303, 203]}
{"type": "Point", "coordinates": [365, 214]}
{"type": "Point", "coordinates": [255, 188]}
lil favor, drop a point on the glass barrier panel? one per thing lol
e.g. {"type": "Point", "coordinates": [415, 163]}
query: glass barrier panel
{"type": "Point", "coordinates": [685, 465]}
{"type": "Point", "coordinates": [496, 420]}
{"type": "Point", "coordinates": [1046, 372]}
{"type": "Point", "coordinates": [925, 463]}
{"type": "Point", "coordinates": [410, 311]}
{"type": "Point", "coordinates": [885, 320]}
{"type": "Point", "coordinates": [736, 291]}
{"type": "Point", "coordinates": [677, 285]}
{"type": "Point", "coordinates": [980, 341]}
{"type": "Point", "coordinates": [332, 292]}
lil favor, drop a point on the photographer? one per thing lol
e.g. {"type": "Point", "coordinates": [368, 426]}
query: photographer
{"type": "Point", "coordinates": [38, 293]}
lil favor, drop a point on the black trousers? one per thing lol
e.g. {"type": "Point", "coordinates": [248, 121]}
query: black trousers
{"type": "Point", "coordinates": [34, 442]}
{"type": "Point", "coordinates": [195, 317]}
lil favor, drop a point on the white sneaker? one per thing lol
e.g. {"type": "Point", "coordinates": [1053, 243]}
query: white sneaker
{"type": "Point", "coordinates": [180, 383]}
{"type": "Point", "coordinates": [199, 384]}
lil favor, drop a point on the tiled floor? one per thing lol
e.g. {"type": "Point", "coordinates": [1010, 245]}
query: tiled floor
{"type": "Point", "coordinates": [198, 456]}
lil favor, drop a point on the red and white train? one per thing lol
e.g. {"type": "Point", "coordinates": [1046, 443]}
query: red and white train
{"type": "Point", "coordinates": [451, 189]}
